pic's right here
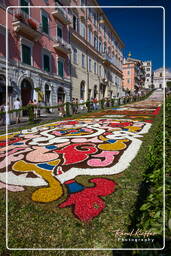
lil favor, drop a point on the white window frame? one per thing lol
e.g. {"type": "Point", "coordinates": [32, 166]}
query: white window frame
{"type": "Point", "coordinates": [29, 44]}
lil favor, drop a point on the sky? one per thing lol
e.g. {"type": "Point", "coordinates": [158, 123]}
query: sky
{"type": "Point", "coordinates": [141, 29]}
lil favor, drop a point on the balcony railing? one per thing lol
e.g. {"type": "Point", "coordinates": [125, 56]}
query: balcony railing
{"type": "Point", "coordinates": [61, 14]}
{"type": "Point", "coordinates": [61, 45]}
{"type": "Point", "coordinates": [25, 25]}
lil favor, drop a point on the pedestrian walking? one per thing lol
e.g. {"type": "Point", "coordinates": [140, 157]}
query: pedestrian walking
{"type": "Point", "coordinates": [17, 105]}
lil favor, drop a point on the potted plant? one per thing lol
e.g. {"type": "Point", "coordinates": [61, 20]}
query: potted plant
{"type": "Point", "coordinates": [32, 24]}
{"type": "Point", "coordinates": [19, 16]}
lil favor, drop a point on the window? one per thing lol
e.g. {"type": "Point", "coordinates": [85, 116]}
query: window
{"type": "Point", "coordinates": [128, 72]}
{"type": "Point", "coordinates": [82, 2]}
{"type": "Point", "coordinates": [100, 46]}
{"type": "Point", "coordinates": [90, 12]}
{"type": "Point", "coordinates": [95, 42]}
{"type": "Point", "coordinates": [104, 31]}
{"type": "Point", "coordinates": [26, 54]}
{"type": "Point", "coordinates": [46, 63]}
{"type": "Point", "coordinates": [45, 25]}
{"type": "Point", "coordinates": [82, 29]}
{"type": "Point", "coordinates": [128, 80]}
{"type": "Point", "coordinates": [94, 18]}
{"type": "Point", "coordinates": [147, 80]}
{"type": "Point", "coordinates": [83, 61]}
{"type": "Point", "coordinates": [75, 57]}
{"type": "Point", "coordinates": [160, 74]}
{"type": "Point", "coordinates": [60, 68]}
{"type": "Point", "coordinates": [100, 70]}
{"type": "Point", "coordinates": [148, 63]}
{"type": "Point", "coordinates": [75, 23]}
{"type": "Point", "coordinates": [24, 3]}
{"type": "Point", "coordinates": [147, 75]}
{"type": "Point", "coordinates": [59, 31]}
{"type": "Point", "coordinates": [89, 64]}
{"type": "Point", "coordinates": [148, 69]}
{"type": "Point", "coordinates": [82, 90]}
{"type": "Point", "coordinates": [105, 48]}
{"type": "Point", "coordinates": [59, 2]}
{"type": "Point", "coordinates": [89, 35]}
{"type": "Point", "coordinates": [95, 68]}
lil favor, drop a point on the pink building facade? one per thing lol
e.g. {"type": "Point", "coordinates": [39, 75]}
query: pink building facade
{"type": "Point", "coordinates": [38, 51]}
{"type": "Point", "coordinates": [56, 53]}
{"type": "Point", "coordinates": [133, 75]}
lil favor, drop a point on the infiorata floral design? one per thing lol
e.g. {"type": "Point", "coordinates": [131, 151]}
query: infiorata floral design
{"type": "Point", "coordinates": [51, 156]}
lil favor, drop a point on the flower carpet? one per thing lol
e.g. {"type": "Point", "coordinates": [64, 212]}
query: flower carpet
{"type": "Point", "coordinates": [50, 157]}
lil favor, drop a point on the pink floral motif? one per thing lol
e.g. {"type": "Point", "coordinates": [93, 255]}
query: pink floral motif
{"type": "Point", "coordinates": [87, 203]}
{"type": "Point", "coordinates": [108, 158]}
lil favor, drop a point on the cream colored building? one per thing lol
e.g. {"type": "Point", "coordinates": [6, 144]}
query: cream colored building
{"type": "Point", "coordinates": [158, 78]}
{"type": "Point", "coordinates": [96, 58]}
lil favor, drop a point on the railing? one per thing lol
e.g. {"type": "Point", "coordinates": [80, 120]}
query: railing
{"type": "Point", "coordinates": [62, 11]}
{"type": "Point", "coordinates": [19, 15]}
{"type": "Point", "coordinates": [68, 109]}
{"type": "Point", "coordinates": [62, 42]}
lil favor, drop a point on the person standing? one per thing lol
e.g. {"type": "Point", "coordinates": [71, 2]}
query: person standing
{"type": "Point", "coordinates": [7, 116]}
{"type": "Point", "coordinates": [17, 105]}
{"type": "Point", "coordinates": [35, 109]}
{"type": "Point", "coordinates": [81, 106]}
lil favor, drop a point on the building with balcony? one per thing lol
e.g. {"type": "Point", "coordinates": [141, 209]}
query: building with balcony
{"type": "Point", "coordinates": [148, 74]}
{"type": "Point", "coordinates": [96, 62]}
{"type": "Point", "coordinates": [133, 75]}
{"type": "Point", "coordinates": [56, 53]}
{"type": "Point", "coordinates": [38, 52]}
{"type": "Point", "coordinates": [162, 78]}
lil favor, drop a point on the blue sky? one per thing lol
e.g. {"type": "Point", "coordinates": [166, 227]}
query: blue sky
{"type": "Point", "coordinates": [141, 29]}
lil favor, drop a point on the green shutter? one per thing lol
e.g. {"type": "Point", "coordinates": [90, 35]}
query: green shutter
{"type": "Point", "coordinates": [24, 3]}
{"type": "Point", "coordinates": [26, 54]}
{"type": "Point", "coordinates": [45, 26]}
{"type": "Point", "coordinates": [59, 32]}
{"type": "Point", "coordinates": [60, 68]}
{"type": "Point", "coordinates": [46, 63]}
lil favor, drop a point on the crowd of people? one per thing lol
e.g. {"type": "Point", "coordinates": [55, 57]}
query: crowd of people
{"type": "Point", "coordinates": [17, 105]}
{"type": "Point", "coordinates": [77, 106]}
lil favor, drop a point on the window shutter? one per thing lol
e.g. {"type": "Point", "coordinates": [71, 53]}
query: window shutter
{"type": "Point", "coordinates": [24, 3]}
{"type": "Point", "coordinates": [60, 69]}
{"type": "Point", "coordinates": [26, 54]}
{"type": "Point", "coordinates": [45, 24]}
{"type": "Point", "coordinates": [59, 32]}
{"type": "Point", "coordinates": [46, 63]}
